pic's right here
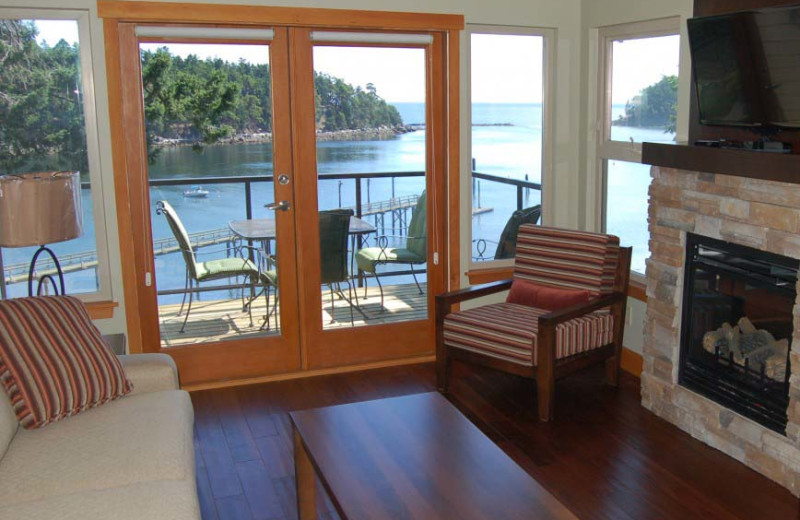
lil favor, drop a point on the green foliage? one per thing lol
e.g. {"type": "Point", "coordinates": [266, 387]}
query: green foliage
{"type": "Point", "coordinates": [41, 109]}
{"type": "Point", "coordinates": [195, 101]}
{"type": "Point", "coordinates": [655, 106]}
{"type": "Point", "coordinates": [340, 106]}
{"type": "Point", "coordinates": [203, 101]}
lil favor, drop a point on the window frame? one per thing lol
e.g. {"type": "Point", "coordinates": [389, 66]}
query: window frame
{"type": "Point", "coordinates": [90, 113]}
{"type": "Point", "coordinates": [548, 135]}
{"type": "Point", "coordinates": [606, 149]}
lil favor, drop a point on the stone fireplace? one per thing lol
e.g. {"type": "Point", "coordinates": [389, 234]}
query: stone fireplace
{"type": "Point", "coordinates": [749, 215]}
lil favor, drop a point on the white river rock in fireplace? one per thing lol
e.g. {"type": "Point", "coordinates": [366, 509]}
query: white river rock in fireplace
{"type": "Point", "coordinates": [749, 347]}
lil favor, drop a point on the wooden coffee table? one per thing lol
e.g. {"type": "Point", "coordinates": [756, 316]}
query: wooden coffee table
{"type": "Point", "coordinates": [412, 457]}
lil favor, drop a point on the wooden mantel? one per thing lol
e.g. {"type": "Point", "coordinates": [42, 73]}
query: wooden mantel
{"type": "Point", "coordinates": [768, 166]}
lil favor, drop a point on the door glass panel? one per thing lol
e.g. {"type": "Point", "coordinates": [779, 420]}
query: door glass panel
{"type": "Point", "coordinates": [626, 208]}
{"type": "Point", "coordinates": [209, 146]}
{"type": "Point", "coordinates": [506, 85]}
{"type": "Point", "coordinates": [644, 89]}
{"type": "Point", "coordinates": [43, 128]}
{"type": "Point", "coordinates": [371, 156]}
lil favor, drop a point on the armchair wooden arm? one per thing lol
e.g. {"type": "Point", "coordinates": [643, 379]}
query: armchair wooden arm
{"type": "Point", "coordinates": [579, 309]}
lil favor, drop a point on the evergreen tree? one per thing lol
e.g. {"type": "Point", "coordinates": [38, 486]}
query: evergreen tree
{"type": "Point", "coordinates": [41, 110]}
{"type": "Point", "coordinates": [655, 106]}
{"type": "Point", "coordinates": [189, 99]}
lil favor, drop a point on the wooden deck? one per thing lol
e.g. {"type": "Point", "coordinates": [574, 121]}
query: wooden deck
{"type": "Point", "coordinates": [221, 320]}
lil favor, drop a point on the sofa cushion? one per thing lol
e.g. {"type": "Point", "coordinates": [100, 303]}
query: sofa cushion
{"type": "Point", "coordinates": [135, 439]}
{"type": "Point", "coordinates": [53, 360]}
{"type": "Point", "coordinates": [150, 372]}
{"type": "Point", "coordinates": [155, 500]}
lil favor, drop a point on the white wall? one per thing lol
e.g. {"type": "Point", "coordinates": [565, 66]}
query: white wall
{"type": "Point", "coordinates": [600, 13]}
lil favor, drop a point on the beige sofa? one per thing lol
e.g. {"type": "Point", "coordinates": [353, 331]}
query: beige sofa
{"type": "Point", "coordinates": [132, 458]}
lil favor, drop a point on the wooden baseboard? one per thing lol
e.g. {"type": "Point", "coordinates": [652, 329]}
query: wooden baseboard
{"type": "Point", "coordinates": [101, 310]}
{"type": "Point", "coordinates": [309, 373]}
{"type": "Point", "coordinates": [632, 362]}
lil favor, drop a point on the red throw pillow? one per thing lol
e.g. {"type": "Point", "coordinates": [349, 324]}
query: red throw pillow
{"type": "Point", "coordinates": [532, 294]}
{"type": "Point", "coordinates": [53, 360]}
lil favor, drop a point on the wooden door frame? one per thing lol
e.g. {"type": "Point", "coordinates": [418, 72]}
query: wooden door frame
{"type": "Point", "coordinates": [323, 348]}
{"type": "Point", "coordinates": [120, 18]}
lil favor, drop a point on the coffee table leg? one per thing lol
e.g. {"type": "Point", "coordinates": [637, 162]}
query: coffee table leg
{"type": "Point", "coordinates": [306, 481]}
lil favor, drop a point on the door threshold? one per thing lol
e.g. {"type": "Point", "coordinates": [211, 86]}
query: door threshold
{"type": "Point", "coordinates": [195, 387]}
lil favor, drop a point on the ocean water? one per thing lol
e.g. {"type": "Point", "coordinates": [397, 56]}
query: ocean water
{"type": "Point", "coordinates": [506, 142]}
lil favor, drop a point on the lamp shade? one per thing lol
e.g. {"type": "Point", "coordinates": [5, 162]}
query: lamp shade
{"type": "Point", "coordinates": [40, 208]}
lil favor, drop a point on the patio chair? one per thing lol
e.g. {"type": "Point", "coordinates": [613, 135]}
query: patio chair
{"type": "Point", "coordinates": [415, 251]}
{"type": "Point", "coordinates": [565, 311]}
{"type": "Point", "coordinates": [334, 226]}
{"type": "Point", "coordinates": [507, 245]}
{"type": "Point", "coordinates": [256, 280]}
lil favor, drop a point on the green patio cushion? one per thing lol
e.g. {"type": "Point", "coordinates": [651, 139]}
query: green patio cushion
{"type": "Point", "coordinates": [417, 242]}
{"type": "Point", "coordinates": [223, 267]}
{"type": "Point", "coordinates": [368, 257]}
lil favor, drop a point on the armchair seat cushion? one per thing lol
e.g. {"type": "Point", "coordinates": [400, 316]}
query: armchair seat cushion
{"type": "Point", "coordinates": [369, 256]}
{"type": "Point", "coordinates": [508, 331]}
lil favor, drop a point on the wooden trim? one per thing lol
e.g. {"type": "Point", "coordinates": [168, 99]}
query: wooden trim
{"type": "Point", "coordinates": [303, 128]}
{"type": "Point", "coordinates": [101, 310]}
{"type": "Point", "coordinates": [286, 16]}
{"type": "Point", "coordinates": [134, 148]}
{"type": "Point", "coordinates": [637, 291]}
{"type": "Point", "coordinates": [454, 162]}
{"type": "Point", "coordinates": [286, 376]}
{"type": "Point", "coordinates": [779, 167]}
{"type": "Point", "coordinates": [490, 274]}
{"type": "Point", "coordinates": [118, 153]}
{"type": "Point", "coordinates": [632, 362]}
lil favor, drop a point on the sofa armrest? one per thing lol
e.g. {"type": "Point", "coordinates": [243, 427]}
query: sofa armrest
{"type": "Point", "coordinates": [150, 372]}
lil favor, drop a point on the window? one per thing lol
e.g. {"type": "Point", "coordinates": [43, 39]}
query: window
{"type": "Point", "coordinates": [638, 99]}
{"type": "Point", "coordinates": [509, 134]}
{"type": "Point", "coordinates": [48, 123]}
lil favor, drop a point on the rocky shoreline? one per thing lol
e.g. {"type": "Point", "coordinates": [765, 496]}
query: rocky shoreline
{"type": "Point", "coordinates": [365, 134]}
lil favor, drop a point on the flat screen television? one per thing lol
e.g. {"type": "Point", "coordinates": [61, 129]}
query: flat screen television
{"type": "Point", "coordinates": [747, 68]}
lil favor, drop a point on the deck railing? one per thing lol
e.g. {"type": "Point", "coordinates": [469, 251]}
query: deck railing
{"type": "Point", "coordinates": [18, 272]}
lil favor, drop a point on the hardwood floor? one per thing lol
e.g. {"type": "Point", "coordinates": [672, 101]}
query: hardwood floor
{"type": "Point", "coordinates": [604, 456]}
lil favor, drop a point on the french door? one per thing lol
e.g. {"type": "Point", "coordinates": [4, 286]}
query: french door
{"type": "Point", "coordinates": [300, 300]}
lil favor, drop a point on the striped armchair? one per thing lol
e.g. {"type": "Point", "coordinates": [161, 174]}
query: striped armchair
{"type": "Point", "coordinates": [537, 343]}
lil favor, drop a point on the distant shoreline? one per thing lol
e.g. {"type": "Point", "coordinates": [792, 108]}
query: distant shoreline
{"type": "Point", "coordinates": [365, 134]}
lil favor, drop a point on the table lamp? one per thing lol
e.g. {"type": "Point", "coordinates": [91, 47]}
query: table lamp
{"type": "Point", "coordinates": [38, 209]}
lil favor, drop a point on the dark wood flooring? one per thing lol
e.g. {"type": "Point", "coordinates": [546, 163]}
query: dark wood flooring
{"type": "Point", "coordinates": [604, 456]}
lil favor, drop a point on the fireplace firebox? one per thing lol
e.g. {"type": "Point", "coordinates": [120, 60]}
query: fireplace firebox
{"type": "Point", "coordinates": [737, 327]}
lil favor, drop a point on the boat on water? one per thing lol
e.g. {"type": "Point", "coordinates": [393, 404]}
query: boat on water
{"type": "Point", "coordinates": [196, 192]}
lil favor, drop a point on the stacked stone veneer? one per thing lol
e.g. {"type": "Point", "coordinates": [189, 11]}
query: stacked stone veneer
{"type": "Point", "coordinates": [760, 214]}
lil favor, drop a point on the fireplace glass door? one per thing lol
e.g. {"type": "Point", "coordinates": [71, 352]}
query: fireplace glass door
{"type": "Point", "coordinates": [737, 327]}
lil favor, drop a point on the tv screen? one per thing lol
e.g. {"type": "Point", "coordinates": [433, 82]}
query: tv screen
{"type": "Point", "coordinates": [747, 67]}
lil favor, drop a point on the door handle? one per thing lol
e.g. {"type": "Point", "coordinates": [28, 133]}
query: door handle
{"type": "Point", "coordinates": [283, 205]}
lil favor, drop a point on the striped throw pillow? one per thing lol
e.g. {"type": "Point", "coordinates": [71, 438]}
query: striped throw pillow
{"type": "Point", "coordinates": [53, 360]}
